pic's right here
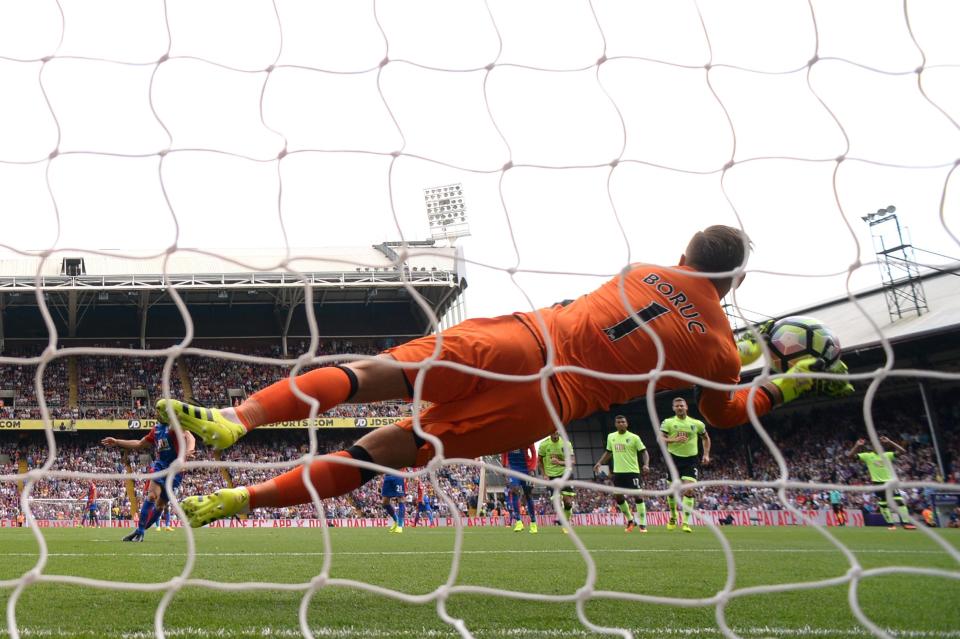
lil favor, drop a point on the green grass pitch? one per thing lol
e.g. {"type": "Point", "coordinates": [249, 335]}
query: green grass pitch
{"type": "Point", "coordinates": [417, 562]}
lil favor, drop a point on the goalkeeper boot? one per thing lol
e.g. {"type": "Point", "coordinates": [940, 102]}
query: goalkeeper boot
{"type": "Point", "coordinates": [630, 526]}
{"type": "Point", "coordinates": [909, 527]}
{"type": "Point", "coordinates": [686, 528]}
{"type": "Point", "coordinates": [226, 502]}
{"type": "Point", "coordinates": [643, 529]}
{"type": "Point", "coordinates": [533, 528]}
{"type": "Point", "coordinates": [518, 527]}
{"type": "Point", "coordinates": [206, 423]}
{"type": "Point", "coordinates": [672, 523]}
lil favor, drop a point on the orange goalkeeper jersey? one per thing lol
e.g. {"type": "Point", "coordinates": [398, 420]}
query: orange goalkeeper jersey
{"type": "Point", "coordinates": [596, 332]}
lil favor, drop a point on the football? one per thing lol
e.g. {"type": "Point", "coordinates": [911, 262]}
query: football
{"type": "Point", "coordinates": [792, 338]}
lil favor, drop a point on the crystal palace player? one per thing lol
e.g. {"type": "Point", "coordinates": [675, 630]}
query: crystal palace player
{"type": "Point", "coordinates": [424, 504]}
{"type": "Point", "coordinates": [474, 416]}
{"type": "Point", "coordinates": [164, 442]}
{"type": "Point", "coordinates": [521, 460]}
{"type": "Point", "coordinates": [90, 511]}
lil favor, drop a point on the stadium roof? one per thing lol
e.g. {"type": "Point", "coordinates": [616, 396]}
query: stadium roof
{"type": "Point", "coordinates": [237, 293]}
{"type": "Point", "coordinates": [185, 268]}
{"type": "Point", "coordinates": [941, 290]}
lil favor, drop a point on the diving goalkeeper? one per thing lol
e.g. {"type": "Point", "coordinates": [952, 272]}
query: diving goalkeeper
{"type": "Point", "coordinates": [474, 416]}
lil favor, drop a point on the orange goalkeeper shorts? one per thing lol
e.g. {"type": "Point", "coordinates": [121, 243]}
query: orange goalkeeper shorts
{"type": "Point", "coordinates": [474, 415]}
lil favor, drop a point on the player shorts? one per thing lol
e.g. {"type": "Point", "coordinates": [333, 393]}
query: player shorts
{"type": "Point", "coordinates": [566, 491]}
{"type": "Point", "coordinates": [392, 486]}
{"type": "Point", "coordinates": [688, 467]}
{"type": "Point", "coordinates": [474, 415]}
{"type": "Point", "coordinates": [881, 495]}
{"type": "Point", "coordinates": [630, 481]}
{"type": "Point", "coordinates": [516, 482]}
{"type": "Point", "coordinates": [156, 467]}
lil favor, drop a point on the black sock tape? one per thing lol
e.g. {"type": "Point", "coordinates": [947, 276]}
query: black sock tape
{"type": "Point", "coordinates": [360, 454]}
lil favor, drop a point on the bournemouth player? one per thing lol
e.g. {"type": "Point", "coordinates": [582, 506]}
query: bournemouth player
{"type": "Point", "coordinates": [625, 448]}
{"type": "Point", "coordinates": [473, 415]}
{"type": "Point", "coordinates": [682, 434]}
{"type": "Point", "coordinates": [521, 460]}
{"type": "Point", "coordinates": [553, 452]}
{"type": "Point", "coordinates": [164, 442]}
{"type": "Point", "coordinates": [90, 509]}
{"type": "Point", "coordinates": [424, 505]}
{"type": "Point", "coordinates": [394, 487]}
{"type": "Point", "coordinates": [879, 475]}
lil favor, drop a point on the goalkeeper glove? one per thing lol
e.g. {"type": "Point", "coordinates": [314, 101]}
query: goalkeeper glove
{"type": "Point", "coordinates": [748, 346]}
{"type": "Point", "coordinates": [792, 387]}
{"type": "Point", "coordinates": [838, 387]}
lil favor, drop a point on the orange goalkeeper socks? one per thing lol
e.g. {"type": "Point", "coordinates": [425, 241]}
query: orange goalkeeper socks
{"type": "Point", "coordinates": [329, 478]}
{"type": "Point", "coordinates": [277, 403]}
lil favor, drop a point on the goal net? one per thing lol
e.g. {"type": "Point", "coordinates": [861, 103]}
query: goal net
{"type": "Point", "coordinates": [587, 136]}
{"type": "Point", "coordinates": [70, 512]}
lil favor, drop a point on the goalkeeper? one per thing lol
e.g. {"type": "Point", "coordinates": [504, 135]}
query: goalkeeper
{"type": "Point", "coordinates": [474, 416]}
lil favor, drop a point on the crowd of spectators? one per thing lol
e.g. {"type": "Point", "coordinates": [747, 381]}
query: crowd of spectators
{"type": "Point", "coordinates": [126, 387]}
{"type": "Point", "coordinates": [812, 444]}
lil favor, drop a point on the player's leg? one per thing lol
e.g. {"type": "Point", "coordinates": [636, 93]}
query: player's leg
{"type": "Point", "coordinates": [625, 480]}
{"type": "Point", "coordinates": [401, 511]}
{"type": "Point", "coordinates": [501, 345]}
{"type": "Point", "coordinates": [689, 472]}
{"type": "Point", "coordinates": [672, 504]}
{"type": "Point", "coordinates": [387, 504]}
{"type": "Point", "coordinates": [531, 509]}
{"type": "Point", "coordinates": [508, 416]}
{"type": "Point", "coordinates": [390, 446]}
{"type": "Point", "coordinates": [364, 381]}
{"type": "Point", "coordinates": [688, 503]}
{"type": "Point", "coordinates": [903, 511]}
{"type": "Point", "coordinates": [881, 496]}
{"type": "Point", "coordinates": [147, 510]}
{"type": "Point", "coordinates": [642, 514]}
{"type": "Point", "coordinates": [568, 496]}
{"type": "Point", "coordinates": [513, 504]}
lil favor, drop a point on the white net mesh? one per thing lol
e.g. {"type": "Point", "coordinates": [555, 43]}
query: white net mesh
{"type": "Point", "coordinates": [619, 120]}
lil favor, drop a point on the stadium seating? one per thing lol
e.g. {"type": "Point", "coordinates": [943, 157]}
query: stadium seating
{"type": "Point", "coordinates": [823, 462]}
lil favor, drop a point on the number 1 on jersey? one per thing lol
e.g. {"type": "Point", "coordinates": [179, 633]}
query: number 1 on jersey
{"type": "Point", "coordinates": [627, 325]}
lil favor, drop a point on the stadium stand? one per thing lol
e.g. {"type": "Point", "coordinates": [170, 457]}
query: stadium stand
{"type": "Point", "coordinates": [735, 459]}
{"type": "Point", "coordinates": [361, 311]}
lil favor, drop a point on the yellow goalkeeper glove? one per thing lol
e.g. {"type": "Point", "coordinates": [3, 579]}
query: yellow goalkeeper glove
{"type": "Point", "coordinates": [792, 387]}
{"type": "Point", "coordinates": [838, 387]}
{"type": "Point", "coordinates": [748, 346]}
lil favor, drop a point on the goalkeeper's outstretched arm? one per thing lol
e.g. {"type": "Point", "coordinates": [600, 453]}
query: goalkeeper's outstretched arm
{"type": "Point", "coordinates": [724, 409]}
